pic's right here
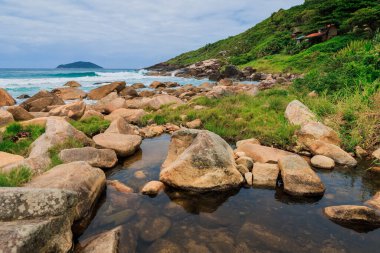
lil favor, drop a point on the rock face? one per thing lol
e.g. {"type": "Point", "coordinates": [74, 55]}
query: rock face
{"type": "Point", "coordinates": [103, 91]}
{"type": "Point", "coordinates": [69, 93]}
{"type": "Point", "coordinates": [160, 100]}
{"type": "Point", "coordinates": [6, 159]}
{"type": "Point", "coordinates": [5, 118]}
{"type": "Point", "coordinates": [299, 179]}
{"type": "Point", "coordinates": [313, 131]}
{"type": "Point", "coordinates": [79, 177]}
{"type": "Point", "coordinates": [100, 158]}
{"type": "Point", "coordinates": [74, 110]}
{"type": "Point", "coordinates": [354, 215]}
{"type": "Point", "coordinates": [40, 101]}
{"type": "Point", "coordinates": [19, 113]}
{"type": "Point", "coordinates": [265, 175]}
{"type": "Point", "coordinates": [130, 115]}
{"type": "Point", "coordinates": [200, 161]}
{"type": "Point", "coordinates": [262, 154]}
{"type": "Point", "coordinates": [322, 162]}
{"type": "Point", "coordinates": [298, 113]}
{"type": "Point", "coordinates": [124, 145]}
{"type": "Point", "coordinates": [6, 99]}
{"type": "Point", "coordinates": [334, 152]}
{"type": "Point", "coordinates": [107, 242]}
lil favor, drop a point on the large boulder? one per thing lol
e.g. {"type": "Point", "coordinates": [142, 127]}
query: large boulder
{"type": "Point", "coordinates": [299, 114]}
{"type": "Point", "coordinates": [123, 144]}
{"type": "Point", "coordinates": [74, 110]}
{"type": "Point", "coordinates": [6, 159]}
{"type": "Point", "coordinates": [121, 126]}
{"type": "Point", "coordinates": [103, 91]}
{"type": "Point", "coordinates": [262, 154]}
{"type": "Point", "coordinates": [79, 177]}
{"type": "Point", "coordinates": [200, 161]}
{"type": "Point", "coordinates": [313, 131]}
{"type": "Point", "coordinates": [353, 215]}
{"type": "Point", "coordinates": [100, 158]}
{"type": "Point", "coordinates": [106, 242]}
{"type": "Point", "coordinates": [130, 115]}
{"type": "Point", "coordinates": [5, 118]}
{"type": "Point", "coordinates": [40, 101]}
{"type": "Point", "coordinates": [5, 98]}
{"type": "Point", "coordinates": [69, 93]}
{"type": "Point", "coordinates": [161, 100]}
{"type": "Point", "coordinates": [340, 156]}
{"type": "Point", "coordinates": [265, 175]}
{"type": "Point", "coordinates": [19, 113]}
{"type": "Point", "coordinates": [298, 178]}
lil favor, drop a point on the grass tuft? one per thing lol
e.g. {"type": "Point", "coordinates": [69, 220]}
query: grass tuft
{"type": "Point", "coordinates": [16, 177]}
{"type": "Point", "coordinates": [55, 150]}
{"type": "Point", "coordinates": [91, 126]}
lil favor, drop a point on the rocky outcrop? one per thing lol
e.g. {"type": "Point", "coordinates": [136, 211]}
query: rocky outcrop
{"type": "Point", "coordinates": [6, 159]}
{"type": "Point", "coordinates": [100, 158]}
{"type": "Point", "coordinates": [69, 93]}
{"type": "Point", "coordinates": [353, 215]}
{"type": "Point", "coordinates": [130, 115]}
{"type": "Point", "coordinates": [265, 175]}
{"type": "Point", "coordinates": [106, 242]}
{"type": "Point", "coordinates": [200, 161]}
{"type": "Point", "coordinates": [161, 100]}
{"type": "Point", "coordinates": [298, 178]}
{"type": "Point", "coordinates": [299, 114]}
{"type": "Point", "coordinates": [124, 145]}
{"type": "Point", "coordinates": [5, 118]}
{"type": "Point", "coordinates": [262, 154]}
{"type": "Point", "coordinates": [103, 91]}
{"type": "Point", "coordinates": [74, 110]}
{"type": "Point", "coordinates": [40, 101]}
{"type": "Point", "coordinates": [6, 99]}
{"type": "Point", "coordinates": [19, 113]}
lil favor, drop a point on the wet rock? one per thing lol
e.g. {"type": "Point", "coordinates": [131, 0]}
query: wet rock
{"type": "Point", "coordinates": [249, 178]}
{"type": "Point", "coordinates": [201, 161]}
{"type": "Point", "coordinates": [152, 131]}
{"type": "Point", "coordinates": [130, 115]}
{"type": "Point", "coordinates": [353, 215]}
{"type": "Point", "coordinates": [138, 86]}
{"type": "Point", "coordinates": [103, 91]}
{"type": "Point", "coordinates": [194, 124]}
{"type": "Point", "coordinates": [107, 242]}
{"type": "Point", "coordinates": [262, 154]}
{"type": "Point", "coordinates": [40, 101]}
{"type": "Point", "coordinates": [6, 159]}
{"type": "Point", "coordinates": [69, 93]}
{"type": "Point", "coordinates": [299, 114]}
{"type": "Point", "coordinates": [19, 113]}
{"type": "Point", "coordinates": [322, 162]}
{"type": "Point", "coordinates": [334, 152]}
{"type": "Point", "coordinates": [313, 131]}
{"type": "Point", "coordinates": [123, 144]}
{"type": "Point", "coordinates": [139, 174]}
{"type": "Point", "coordinates": [245, 161]}
{"type": "Point", "coordinates": [74, 110]}
{"type": "Point", "coordinates": [6, 99]}
{"type": "Point", "coordinates": [119, 186]}
{"type": "Point", "coordinates": [5, 118]}
{"type": "Point", "coordinates": [100, 158]}
{"type": "Point", "coordinates": [72, 84]}
{"type": "Point", "coordinates": [121, 126]}
{"type": "Point", "coordinates": [119, 218]}
{"type": "Point", "coordinates": [299, 179]}
{"type": "Point", "coordinates": [265, 175]}
{"type": "Point", "coordinates": [376, 154]}
{"type": "Point", "coordinates": [153, 188]}
{"type": "Point", "coordinates": [91, 114]}
{"type": "Point", "coordinates": [161, 100]}
{"type": "Point", "coordinates": [164, 246]}
{"type": "Point", "coordinates": [155, 229]}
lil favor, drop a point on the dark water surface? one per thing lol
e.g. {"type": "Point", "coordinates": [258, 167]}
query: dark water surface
{"type": "Point", "coordinates": [248, 220]}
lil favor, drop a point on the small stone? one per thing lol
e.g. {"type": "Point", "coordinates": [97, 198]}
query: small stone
{"type": "Point", "coordinates": [322, 162]}
{"type": "Point", "coordinates": [242, 169]}
{"type": "Point", "coordinates": [139, 174]}
{"type": "Point", "coordinates": [249, 178]}
{"type": "Point", "coordinates": [245, 161]}
{"type": "Point", "coordinates": [153, 188]}
{"type": "Point", "coordinates": [118, 186]}
{"type": "Point", "coordinates": [194, 124]}
{"type": "Point", "coordinates": [360, 152]}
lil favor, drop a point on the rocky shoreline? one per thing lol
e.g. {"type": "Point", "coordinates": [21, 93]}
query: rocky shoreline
{"type": "Point", "coordinates": [198, 160]}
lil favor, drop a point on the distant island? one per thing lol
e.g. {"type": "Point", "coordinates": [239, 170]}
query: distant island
{"type": "Point", "coordinates": [79, 65]}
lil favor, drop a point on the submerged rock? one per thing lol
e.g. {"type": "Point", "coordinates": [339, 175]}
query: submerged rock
{"type": "Point", "coordinates": [123, 144]}
{"type": "Point", "coordinates": [119, 186]}
{"type": "Point", "coordinates": [164, 246]}
{"type": "Point", "coordinates": [265, 175]}
{"type": "Point", "coordinates": [299, 179]}
{"type": "Point", "coordinates": [100, 158]}
{"type": "Point", "coordinates": [106, 242]}
{"type": "Point", "coordinates": [155, 229]}
{"type": "Point", "coordinates": [201, 161]}
{"type": "Point", "coordinates": [353, 215]}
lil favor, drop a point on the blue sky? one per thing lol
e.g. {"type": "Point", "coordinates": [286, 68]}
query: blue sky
{"type": "Point", "coordinates": [119, 33]}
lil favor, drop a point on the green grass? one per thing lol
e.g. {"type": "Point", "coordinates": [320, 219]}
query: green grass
{"type": "Point", "coordinates": [55, 150]}
{"type": "Point", "coordinates": [91, 126]}
{"type": "Point", "coordinates": [21, 146]}
{"type": "Point", "coordinates": [16, 177]}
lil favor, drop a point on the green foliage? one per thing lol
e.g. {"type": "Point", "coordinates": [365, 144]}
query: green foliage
{"type": "Point", "coordinates": [91, 126]}
{"type": "Point", "coordinates": [16, 177]}
{"type": "Point", "coordinates": [9, 143]}
{"type": "Point", "coordinates": [55, 150]}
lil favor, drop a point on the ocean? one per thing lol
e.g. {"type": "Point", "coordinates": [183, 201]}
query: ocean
{"type": "Point", "coordinates": [30, 81]}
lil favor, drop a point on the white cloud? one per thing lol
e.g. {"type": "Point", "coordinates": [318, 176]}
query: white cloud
{"type": "Point", "coordinates": [117, 33]}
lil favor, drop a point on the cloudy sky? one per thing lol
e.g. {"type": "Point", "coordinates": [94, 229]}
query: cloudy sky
{"type": "Point", "coordinates": [119, 33]}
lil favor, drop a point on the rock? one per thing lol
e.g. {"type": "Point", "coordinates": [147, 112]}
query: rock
{"type": "Point", "coordinates": [115, 104]}
{"type": "Point", "coordinates": [72, 84]}
{"type": "Point", "coordinates": [106, 242]}
{"type": "Point", "coordinates": [161, 100]}
{"type": "Point", "coordinates": [313, 94]}
{"type": "Point", "coordinates": [299, 114]}
{"type": "Point", "coordinates": [130, 115]}
{"type": "Point", "coordinates": [152, 131]}
{"type": "Point", "coordinates": [240, 154]}
{"type": "Point", "coordinates": [262, 154]}
{"type": "Point", "coordinates": [153, 188]}
{"type": "Point", "coordinates": [79, 177]}
{"type": "Point", "coordinates": [100, 158]}
{"type": "Point", "coordinates": [374, 202]}
{"type": "Point", "coordinates": [121, 126]}
{"type": "Point", "coordinates": [360, 152]}
{"type": "Point", "coordinates": [6, 159]}
{"type": "Point", "coordinates": [376, 154]}
{"type": "Point", "coordinates": [39, 114]}
{"type": "Point", "coordinates": [334, 152]}
{"type": "Point", "coordinates": [128, 92]}
{"type": "Point", "coordinates": [164, 246]}
{"type": "Point", "coordinates": [5, 118]}
{"type": "Point", "coordinates": [101, 92]}
{"type": "Point", "coordinates": [40, 121]}
{"type": "Point", "coordinates": [322, 162]}
{"type": "Point", "coordinates": [230, 71]}
{"type": "Point", "coordinates": [40, 101]}
{"type": "Point", "coordinates": [91, 114]}
{"type": "Point", "coordinates": [138, 86]}
{"type": "Point", "coordinates": [157, 84]}
{"type": "Point", "coordinates": [200, 161]}
{"type": "Point", "coordinates": [23, 96]}
{"type": "Point", "coordinates": [147, 93]}
{"type": "Point", "coordinates": [74, 110]}
{"type": "Point", "coordinates": [194, 124]}
{"type": "Point", "coordinates": [245, 161]}
{"type": "Point", "coordinates": [6, 99]}
{"type": "Point", "coordinates": [254, 91]}
{"type": "Point", "coordinates": [265, 175]}
{"type": "Point", "coordinates": [298, 178]}
{"type": "Point", "coordinates": [249, 178]}
{"type": "Point", "coordinates": [313, 131]}
{"type": "Point", "coordinates": [124, 145]}
{"type": "Point", "coordinates": [155, 229]}
{"type": "Point", "coordinates": [226, 82]}
{"type": "Point", "coordinates": [140, 174]}
{"type": "Point", "coordinates": [353, 215]}
{"type": "Point", "coordinates": [69, 93]}
{"type": "Point", "coordinates": [137, 103]}
{"type": "Point", "coordinates": [242, 169]}
{"type": "Point", "coordinates": [118, 186]}
{"type": "Point", "coordinates": [19, 113]}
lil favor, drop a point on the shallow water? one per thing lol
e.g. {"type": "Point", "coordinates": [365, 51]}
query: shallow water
{"type": "Point", "coordinates": [248, 220]}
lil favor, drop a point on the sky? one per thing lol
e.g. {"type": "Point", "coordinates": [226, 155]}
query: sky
{"type": "Point", "coordinates": [120, 33]}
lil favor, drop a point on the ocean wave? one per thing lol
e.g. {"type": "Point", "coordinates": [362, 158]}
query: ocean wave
{"type": "Point", "coordinates": [73, 75]}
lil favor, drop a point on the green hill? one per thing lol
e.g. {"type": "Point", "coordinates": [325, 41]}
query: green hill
{"type": "Point", "coordinates": [79, 65]}
{"type": "Point", "coordinates": [272, 37]}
